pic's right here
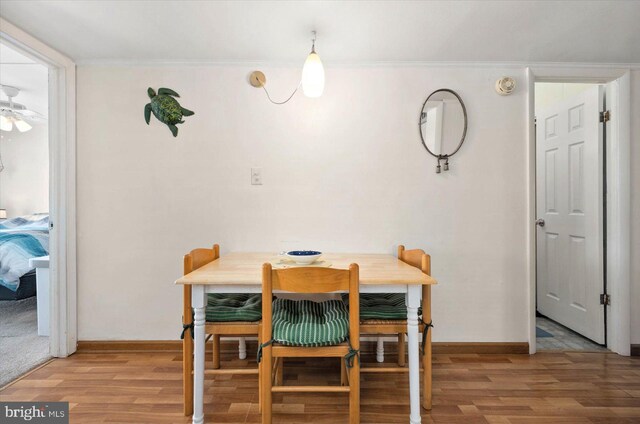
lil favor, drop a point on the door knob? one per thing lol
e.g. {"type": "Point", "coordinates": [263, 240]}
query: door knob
{"type": "Point", "coordinates": [540, 222]}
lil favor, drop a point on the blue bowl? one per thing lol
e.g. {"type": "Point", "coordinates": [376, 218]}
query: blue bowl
{"type": "Point", "coordinates": [303, 252]}
{"type": "Point", "coordinates": [303, 256]}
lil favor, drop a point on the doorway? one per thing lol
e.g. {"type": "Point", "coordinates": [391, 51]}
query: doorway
{"type": "Point", "coordinates": [62, 175]}
{"type": "Point", "coordinates": [24, 214]}
{"type": "Point", "coordinates": [618, 207]}
{"type": "Point", "coordinates": [570, 211]}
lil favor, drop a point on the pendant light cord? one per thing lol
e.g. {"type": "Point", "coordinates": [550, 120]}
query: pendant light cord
{"type": "Point", "coordinates": [281, 103]}
{"type": "Point", "coordinates": [313, 50]}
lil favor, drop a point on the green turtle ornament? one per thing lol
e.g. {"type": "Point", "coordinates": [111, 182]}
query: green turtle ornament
{"type": "Point", "coordinates": [166, 108]}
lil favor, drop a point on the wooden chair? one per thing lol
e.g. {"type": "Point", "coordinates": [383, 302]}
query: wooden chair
{"type": "Point", "coordinates": [214, 329]}
{"type": "Point", "coordinates": [419, 259]}
{"type": "Point", "coordinates": [280, 345]}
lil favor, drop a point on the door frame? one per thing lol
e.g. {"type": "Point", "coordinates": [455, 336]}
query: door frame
{"type": "Point", "coordinates": [62, 184]}
{"type": "Point", "coordinates": [618, 213]}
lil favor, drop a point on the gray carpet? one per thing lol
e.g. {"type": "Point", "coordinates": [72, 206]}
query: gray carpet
{"type": "Point", "coordinates": [21, 349]}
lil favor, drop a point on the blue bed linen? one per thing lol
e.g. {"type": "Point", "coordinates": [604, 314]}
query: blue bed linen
{"type": "Point", "coordinates": [21, 239]}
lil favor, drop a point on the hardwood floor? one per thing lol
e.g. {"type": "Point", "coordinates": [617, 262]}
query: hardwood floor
{"type": "Point", "coordinates": [495, 389]}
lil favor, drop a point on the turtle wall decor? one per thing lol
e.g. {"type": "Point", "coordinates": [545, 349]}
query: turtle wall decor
{"type": "Point", "coordinates": [166, 108]}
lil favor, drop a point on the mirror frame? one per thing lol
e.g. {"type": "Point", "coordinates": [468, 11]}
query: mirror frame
{"type": "Point", "coordinates": [464, 131]}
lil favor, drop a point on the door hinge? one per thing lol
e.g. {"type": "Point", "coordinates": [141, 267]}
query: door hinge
{"type": "Point", "coordinates": [605, 116]}
{"type": "Point", "coordinates": [605, 299]}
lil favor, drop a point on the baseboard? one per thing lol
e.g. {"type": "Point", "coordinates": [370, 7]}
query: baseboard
{"type": "Point", "coordinates": [127, 346]}
{"type": "Point", "coordinates": [503, 348]}
{"type": "Point", "coordinates": [635, 350]}
{"type": "Point", "coordinates": [367, 347]}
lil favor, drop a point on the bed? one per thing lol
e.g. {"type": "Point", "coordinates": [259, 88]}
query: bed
{"type": "Point", "coordinates": [21, 239]}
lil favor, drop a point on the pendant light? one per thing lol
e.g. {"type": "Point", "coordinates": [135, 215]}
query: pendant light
{"type": "Point", "coordinates": [312, 80]}
{"type": "Point", "coordinates": [313, 73]}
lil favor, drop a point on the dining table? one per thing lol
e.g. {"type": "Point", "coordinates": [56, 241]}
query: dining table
{"type": "Point", "coordinates": [241, 272]}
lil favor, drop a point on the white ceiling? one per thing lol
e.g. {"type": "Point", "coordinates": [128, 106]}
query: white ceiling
{"type": "Point", "coordinates": [8, 55]}
{"type": "Point", "coordinates": [30, 77]}
{"type": "Point", "coordinates": [348, 31]}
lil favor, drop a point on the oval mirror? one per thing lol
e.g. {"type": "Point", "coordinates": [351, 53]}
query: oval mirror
{"type": "Point", "coordinates": [443, 125]}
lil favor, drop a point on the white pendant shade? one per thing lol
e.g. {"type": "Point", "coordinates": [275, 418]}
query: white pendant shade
{"type": "Point", "coordinates": [5, 123]}
{"type": "Point", "coordinates": [313, 76]}
{"type": "Point", "coordinates": [21, 125]}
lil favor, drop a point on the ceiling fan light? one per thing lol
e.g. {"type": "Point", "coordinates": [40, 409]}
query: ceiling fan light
{"type": "Point", "coordinates": [22, 126]}
{"type": "Point", "coordinates": [313, 76]}
{"type": "Point", "coordinates": [5, 123]}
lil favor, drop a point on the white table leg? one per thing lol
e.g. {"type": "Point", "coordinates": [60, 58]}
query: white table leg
{"type": "Point", "coordinates": [380, 350]}
{"type": "Point", "coordinates": [198, 303]}
{"type": "Point", "coordinates": [414, 293]}
{"type": "Point", "coordinates": [242, 348]}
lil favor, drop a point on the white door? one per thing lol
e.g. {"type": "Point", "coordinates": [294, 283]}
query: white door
{"type": "Point", "coordinates": [569, 200]}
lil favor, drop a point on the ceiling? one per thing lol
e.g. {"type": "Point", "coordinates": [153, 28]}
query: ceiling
{"type": "Point", "coordinates": [8, 55]}
{"type": "Point", "coordinates": [30, 77]}
{"type": "Point", "coordinates": [348, 31]}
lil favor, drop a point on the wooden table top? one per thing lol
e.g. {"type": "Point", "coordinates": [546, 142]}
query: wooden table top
{"type": "Point", "coordinates": [246, 268]}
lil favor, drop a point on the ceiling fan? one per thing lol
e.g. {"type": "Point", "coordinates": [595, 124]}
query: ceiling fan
{"type": "Point", "coordinates": [16, 114]}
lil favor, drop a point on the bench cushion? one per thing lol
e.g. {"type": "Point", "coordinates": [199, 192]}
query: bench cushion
{"type": "Point", "coordinates": [381, 306]}
{"type": "Point", "coordinates": [233, 307]}
{"type": "Point", "coordinates": [308, 323]}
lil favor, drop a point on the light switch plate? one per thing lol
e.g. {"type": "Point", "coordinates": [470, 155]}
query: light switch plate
{"type": "Point", "coordinates": [256, 176]}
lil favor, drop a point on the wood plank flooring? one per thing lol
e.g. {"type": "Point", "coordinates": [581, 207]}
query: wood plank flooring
{"type": "Point", "coordinates": [494, 389]}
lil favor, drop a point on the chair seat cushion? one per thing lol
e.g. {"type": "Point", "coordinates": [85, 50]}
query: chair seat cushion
{"type": "Point", "coordinates": [233, 307]}
{"type": "Point", "coordinates": [308, 323]}
{"type": "Point", "coordinates": [382, 306]}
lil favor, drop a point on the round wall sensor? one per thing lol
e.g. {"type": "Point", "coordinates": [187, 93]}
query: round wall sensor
{"type": "Point", "coordinates": [505, 86]}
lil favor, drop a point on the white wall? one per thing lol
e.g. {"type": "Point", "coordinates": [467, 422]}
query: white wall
{"type": "Point", "coordinates": [345, 172]}
{"type": "Point", "coordinates": [24, 183]}
{"type": "Point", "coordinates": [549, 93]}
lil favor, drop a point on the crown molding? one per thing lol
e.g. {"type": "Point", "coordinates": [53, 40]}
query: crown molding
{"type": "Point", "coordinates": [374, 64]}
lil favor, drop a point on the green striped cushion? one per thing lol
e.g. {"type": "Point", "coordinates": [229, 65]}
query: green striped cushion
{"type": "Point", "coordinates": [387, 306]}
{"type": "Point", "coordinates": [308, 323]}
{"type": "Point", "coordinates": [233, 307]}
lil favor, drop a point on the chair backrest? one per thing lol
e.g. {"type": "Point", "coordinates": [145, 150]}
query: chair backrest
{"type": "Point", "coordinates": [193, 260]}
{"type": "Point", "coordinates": [200, 257]}
{"type": "Point", "coordinates": [312, 280]}
{"type": "Point", "coordinates": [416, 258]}
{"type": "Point", "coordinates": [422, 261]}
